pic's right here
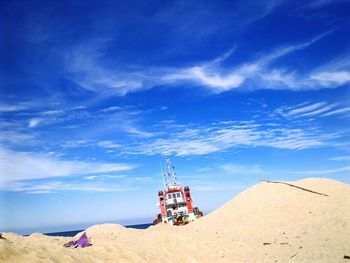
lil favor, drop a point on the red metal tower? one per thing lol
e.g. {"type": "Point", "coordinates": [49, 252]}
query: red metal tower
{"type": "Point", "coordinates": [162, 206]}
{"type": "Point", "coordinates": [188, 199]}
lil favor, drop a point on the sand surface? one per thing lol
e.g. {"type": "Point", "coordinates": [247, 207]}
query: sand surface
{"type": "Point", "coordinates": [267, 223]}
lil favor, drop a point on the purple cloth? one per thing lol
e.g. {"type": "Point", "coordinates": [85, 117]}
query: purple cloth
{"type": "Point", "coordinates": [83, 241]}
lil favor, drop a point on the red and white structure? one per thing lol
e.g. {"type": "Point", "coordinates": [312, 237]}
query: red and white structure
{"type": "Point", "coordinates": [175, 202]}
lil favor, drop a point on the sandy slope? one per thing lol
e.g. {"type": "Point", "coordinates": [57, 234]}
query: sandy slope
{"type": "Point", "coordinates": [266, 223]}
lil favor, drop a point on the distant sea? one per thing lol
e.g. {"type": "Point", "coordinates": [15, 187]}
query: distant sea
{"type": "Point", "coordinates": [73, 233]}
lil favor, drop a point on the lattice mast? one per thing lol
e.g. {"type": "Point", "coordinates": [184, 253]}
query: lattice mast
{"type": "Point", "coordinates": [175, 203]}
{"type": "Point", "coordinates": [169, 178]}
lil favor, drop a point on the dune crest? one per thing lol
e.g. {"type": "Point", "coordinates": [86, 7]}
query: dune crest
{"type": "Point", "coordinates": [269, 222]}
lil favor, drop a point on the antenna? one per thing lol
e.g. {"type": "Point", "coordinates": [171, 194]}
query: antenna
{"type": "Point", "coordinates": [163, 175]}
{"type": "Point", "coordinates": [169, 171]}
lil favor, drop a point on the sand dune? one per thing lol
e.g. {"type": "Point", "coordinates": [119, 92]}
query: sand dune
{"type": "Point", "coordinates": [269, 222]}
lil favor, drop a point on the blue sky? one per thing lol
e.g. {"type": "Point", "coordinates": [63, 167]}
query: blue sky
{"type": "Point", "coordinates": [94, 94]}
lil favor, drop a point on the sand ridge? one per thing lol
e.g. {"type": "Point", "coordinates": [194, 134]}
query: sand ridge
{"type": "Point", "coordinates": [269, 222]}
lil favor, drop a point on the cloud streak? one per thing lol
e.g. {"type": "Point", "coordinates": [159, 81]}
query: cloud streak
{"type": "Point", "coordinates": [306, 109]}
{"type": "Point", "coordinates": [338, 111]}
{"type": "Point", "coordinates": [322, 172]}
{"type": "Point", "coordinates": [223, 136]}
{"type": "Point", "coordinates": [340, 158]}
{"type": "Point", "coordinates": [319, 109]}
{"type": "Point", "coordinates": [241, 169]}
{"type": "Point", "coordinates": [220, 79]}
{"type": "Point", "coordinates": [34, 122]}
{"type": "Point", "coordinates": [17, 166]}
{"type": "Point", "coordinates": [213, 75]}
{"type": "Point", "coordinates": [14, 108]}
{"type": "Point", "coordinates": [57, 186]}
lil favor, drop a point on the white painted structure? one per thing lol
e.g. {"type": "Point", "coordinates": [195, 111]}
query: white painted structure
{"type": "Point", "coordinates": [175, 201]}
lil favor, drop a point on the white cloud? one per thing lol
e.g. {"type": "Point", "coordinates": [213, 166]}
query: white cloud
{"type": "Point", "coordinates": [84, 66]}
{"type": "Point", "coordinates": [321, 109]}
{"type": "Point", "coordinates": [108, 144]}
{"type": "Point", "coordinates": [340, 158]}
{"type": "Point", "coordinates": [205, 188]}
{"type": "Point", "coordinates": [77, 143]}
{"type": "Point", "coordinates": [13, 137]}
{"type": "Point", "coordinates": [217, 187]}
{"type": "Point", "coordinates": [52, 112]}
{"type": "Point", "coordinates": [331, 78]}
{"type": "Point", "coordinates": [91, 177]}
{"type": "Point", "coordinates": [306, 109]}
{"type": "Point", "coordinates": [114, 108]}
{"type": "Point", "coordinates": [342, 110]}
{"type": "Point", "coordinates": [146, 178]}
{"type": "Point", "coordinates": [55, 186]}
{"type": "Point", "coordinates": [82, 63]}
{"type": "Point", "coordinates": [204, 169]}
{"type": "Point", "coordinates": [214, 75]}
{"type": "Point", "coordinates": [219, 137]}
{"type": "Point", "coordinates": [219, 79]}
{"type": "Point", "coordinates": [115, 176]}
{"type": "Point", "coordinates": [102, 177]}
{"type": "Point", "coordinates": [11, 108]}
{"type": "Point", "coordinates": [34, 122]}
{"type": "Point", "coordinates": [39, 192]}
{"type": "Point", "coordinates": [321, 172]}
{"type": "Point", "coordinates": [16, 166]}
{"type": "Point", "coordinates": [277, 78]}
{"type": "Point", "coordinates": [208, 77]}
{"type": "Point", "coordinates": [79, 108]}
{"type": "Point", "coordinates": [279, 52]}
{"type": "Point", "coordinates": [241, 169]}
{"type": "Point", "coordinates": [137, 132]}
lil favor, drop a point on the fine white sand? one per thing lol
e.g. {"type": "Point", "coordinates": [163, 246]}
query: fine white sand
{"type": "Point", "coordinates": [267, 223]}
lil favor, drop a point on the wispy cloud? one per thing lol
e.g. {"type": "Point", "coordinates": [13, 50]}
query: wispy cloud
{"type": "Point", "coordinates": [19, 138]}
{"type": "Point", "coordinates": [331, 78]}
{"type": "Point", "coordinates": [320, 109]}
{"type": "Point", "coordinates": [17, 107]}
{"type": "Point", "coordinates": [219, 79]}
{"type": "Point", "coordinates": [146, 178]}
{"type": "Point", "coordinates": [109, 109]}
{"type": "Point", "coordinates": [104, 176]}
{"type": "Point", "coordinates": [108, 144]}
{"type": "Point", "coordinates": [214, 75]}
{"type": "Point", "coordinates": [222, 136]}
{"type": "Point", "coordinates": [79, 108]}
{"type": "Point", "coordinates": [52, 112]}
{"type": "Point", "coordinates": [16, 166]}
{"type": "Point", "coordinates": [77, 143]}
{"type": "Point", "coordinates": [306, 109]}
{"type": "Point", "coordinates": [83, 61]}
{"type": "Point", "coordinates": [85, 57]}
{"type": "Point", "coordinates": [91, 177]}
{"type": "Point", "coordinates": [34, 122]}
{"type": "Point", "coordinates": [321, 3]}
{"type": "Point", "coordinates": [87, 72]}
{"type": "Point", "coordinates": [338, 111]}
{"type": "Point", "coordinates": [57, 186]}
{"type": "Point", "coordinates": [340, 158]}
{"type": "Point", "coordinates": [217, 187]}
{"type": "Point", "coordinates": [241, 169]}
{"type": "Point", "coordinates": [138, 132]}
{"type": "Point", "coordinates": [321, 172]}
